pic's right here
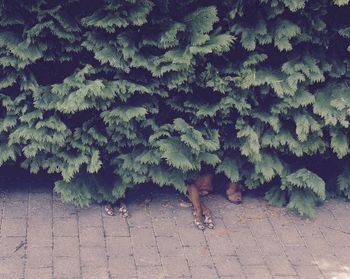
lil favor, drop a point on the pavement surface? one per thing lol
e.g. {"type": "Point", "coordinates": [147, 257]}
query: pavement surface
{"type": "Point", "coordinates": [40, 237]}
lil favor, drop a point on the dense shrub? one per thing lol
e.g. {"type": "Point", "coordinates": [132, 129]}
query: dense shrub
{"type": "Point", "coordinates": [152, 90]}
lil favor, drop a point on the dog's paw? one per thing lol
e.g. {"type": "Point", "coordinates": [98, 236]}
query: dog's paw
{"type": "Point", "coordinates": [124, 211]}
{"type": "Point", "coordinates": [199, 225]}
{"type": "Point", "coordinates": [209, 223]}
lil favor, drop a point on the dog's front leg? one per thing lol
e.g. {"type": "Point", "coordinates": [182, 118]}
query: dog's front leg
{"type": "Point", "coordinates": [208, 220]}
{"type": "Point", "coordinates": [193, 195]}
{"type": "Point", "coordinates": [123, 210]}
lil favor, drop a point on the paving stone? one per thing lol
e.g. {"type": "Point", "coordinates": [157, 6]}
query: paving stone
{"type": "Point", "coordinates": [257, 272]}
{"type": "Point", "coordinates": [140, 217]}
{"type": "Point", "coordinates": [12, 266]}
{"type": "Point", "coordinates": [39, 257]}
{"type": "Point", "coordinates": [142, 236]}
{"type": "Point", "coordinates": [122, 267]}
{"type": "Point", "coordinates": [61, 209]}
{"type": "Point", "coordinates": [228, 266]}
{"type": "Point", "coordinates": [15, 209]}
{"type": "Point", "coordinates": [12, 246]}
{"type": "Point", "coordinates": [150, 272]}
{"type": "Point", "coordinates": [191, 236]}
{"type": "Point", "coordinates": [336, 237]}
{"type": "Point", "coordinates": [270, 245]}
{"type": "Point", "coordinates": [65, 227]}
{"type": "Point", "coordinates": [290, 236]}
{"type": "Point", "coordinates": [164, 226]}
{"type": "Point", "coordinates": [39, 236]}
{"type": "Point", "coordinates": [308, 272]}
{"type": "Point", "coordinates": [66, 246]}
{"type": "Point", "coordinates": [66, 267]}
{"type": "Point", "coordinates": [279, 265]}
{"type": "Point", "coordinates": [93, 256]}
{"type": "Point", "coordinates": [175, 266]}
{"type": "Point", "coordinates": [261, 227]}
{"type": "Point", "coordinates": [299, 255]}
{"type": "Point", "coordinates": [220, 246]}
{"type": "Point", "coordinates": [90, 217]}
{"type": "Point", "coordinates": [242, 237]}
{"type": "Point", "coordinates": [203, 272]}
{"type": "Point", "coordinates": [146, 255]}
{"type": "Point", "coordinates": [118, 246]}
{"type": "Point", "coordinates": [249, 256]}
{"type": "Point", "coordinates": [318, 245]}
{"type": "Point", "coordinates": [91, 236]}
{"type": "Point", "coordinates": [327, 262]}
{"type": "Point", "coordinates": [115, 226]}
{"type": "Point", "coordinates": [169, 246]}
{"type": "Point", "coordinates": [13, 227]}
{"type": "Point", "coordinates": [198, 256]}
{"type": "Point", "coordinates": [95, 273]}
{"type": "Point", "coordinates": [36, 273]}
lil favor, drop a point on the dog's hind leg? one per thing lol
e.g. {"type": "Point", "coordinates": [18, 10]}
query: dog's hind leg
{"type": "Point", "coordinates": [193, 194]}
{"type": "Point", "coordinates": [208, 221]}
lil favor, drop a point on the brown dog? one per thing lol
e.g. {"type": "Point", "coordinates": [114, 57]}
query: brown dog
{"type": "Point", "coordinates": [202, 186]}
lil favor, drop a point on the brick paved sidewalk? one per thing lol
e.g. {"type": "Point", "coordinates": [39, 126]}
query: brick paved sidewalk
{"type": "Point", "coordinates": [42, 238]}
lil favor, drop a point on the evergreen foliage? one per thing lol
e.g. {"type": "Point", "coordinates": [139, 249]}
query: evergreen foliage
{"type": "Point", "coordinates": [110, 94]}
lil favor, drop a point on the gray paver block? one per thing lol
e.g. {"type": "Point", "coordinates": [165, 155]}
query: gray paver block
{"type": "Point", "coordinates": [90, 217]}
{"type": "Point", "coordinates": [261, 227]}
{"type": "Point", "coordinates": [13, 227]}
{"type": "Point", "coordinates": [279, 265]}
{"type": "Point", "coordinates": [95, 273]}
{"type": "Point", "coordinates": [257, 272]}
{"type": "Point", "coordinates": [39, 235]}
{"type": "Point", "coordinates": [203, 272]}
{"type": "Point", "coordinates": [198, 256]}
{"type": "Point", "coordinates": [228, 266]}
{"type": "Point", "coordinates": [12, 246]}
{"type": "Point", "coordinates": [13, 266]}
{"type": "Point", "coordinates": [66, 267]}
{"type": "Point", "coordinates": [164, 227]}
{"type": "Point", "coordinates": [242, 237]}
{"type": "Point", "coordinates": [36, 273]}
{"type": "Point", "coordinates": [15, 209]}
{"type": "Point", "coordinates": [270, 245]}
{"type": "Point", "coordinates": [142, 236]}
{"type": "Point", "coordinates": [118, 246]}
{"type": "Point", "coordinates": [61, 209]}
{"type": "Point", "coordinates": [38, 257]}
{"type": "Point", "coordinates": [150, 272]}
{"type": "Point", "coordinates": [115, 226]}
{"type": "Point", "coordinates": [220, 246]}
{"type": "Point", "coordinates": [169, 246]}
{"type": "Point", "coordinates": [65, 227]}
{"type": "Point", "coordinates": [299, 255]}
{"type": "Point", "coordinates": [175, 266]}
{"type": "Point", "coordinates": [191, 236]}
{"type": "Point", "coordinates": [146, 255]}
{"type": "Point", "coordinates": [66, 246]}
{"type": "Point", "coordinates": [122, 267]}
{"type": "Point", "coordinates": [249, 256]}
{"type": "Point", "coordinates": [307, 272]}
{"type": "Point", "coordinates": [93, 257]}
{"type": "Point", "coordinates": [290, 236]}
{"type": "Point", "coordinates": [91, 236]}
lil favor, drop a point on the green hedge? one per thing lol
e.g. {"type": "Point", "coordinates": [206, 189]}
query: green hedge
{"type": "Point", "coordinates": [116, 93]}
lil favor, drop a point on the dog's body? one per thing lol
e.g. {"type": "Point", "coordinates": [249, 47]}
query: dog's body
{"type": "Point", "coordinates": [203, 185]}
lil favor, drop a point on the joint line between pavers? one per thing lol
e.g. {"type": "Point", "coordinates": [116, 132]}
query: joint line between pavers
{"type": "Point", "coordinates": [104, 238]}
{"type": "Point", "coordinates": [154, 233]}
{"type": "Point", "coordinates": [26, 237]}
